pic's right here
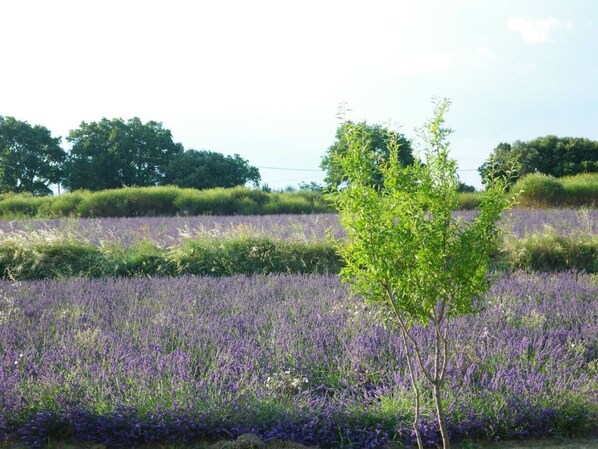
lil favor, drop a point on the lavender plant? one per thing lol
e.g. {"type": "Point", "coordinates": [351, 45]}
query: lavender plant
{"type": "Point", "coordinates": [405, 251]}
{"type": "Point", "coordinates": [127, 361]}
{"type": "Point", "coordinates": [170, 231]}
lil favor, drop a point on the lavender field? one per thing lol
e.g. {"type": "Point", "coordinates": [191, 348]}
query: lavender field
{"type": "Point", "coordinates": [168, 231]}
{"type": "Point", "coordinates": [125, 361]}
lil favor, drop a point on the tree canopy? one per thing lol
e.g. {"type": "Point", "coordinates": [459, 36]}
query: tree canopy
{"type": "Point", "coordinates": [113, 153]}
{"type": "Point", "coordinates": [380, 139]}
{"type": "Point", "coordinates": [550, 155]}
{"type": "Point", "coordinates": [208, 169]}
{"type": "Point", "coordinates": [30, 158]}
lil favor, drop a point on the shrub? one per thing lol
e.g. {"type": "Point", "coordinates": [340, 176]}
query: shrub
{"type": "Point", "coordinates": [551, 252]}
{"type": "Point", "coordinates": [539, 190]}
{"type": "Point", "coordinates": [22, 205]}
{"type": "Point", "coordinates": [253, 255]}
{"type": "Point", "coordinates": [67, 205]}
{"type": "Point", "coordinates": [55, 259]}
{"type": "Point", "coordinates": [581, 190]}
{"type": "Point", "coordinates": [468, 200]}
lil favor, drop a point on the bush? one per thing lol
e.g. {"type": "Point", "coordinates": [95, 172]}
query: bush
{"type": "Point", "coordinates": [581, 190]}
{"type": "Point", "coordinates": [539, 190]}
{"type": "Point", "coordinates": [162, 201]}
{"type": "Point", "coordinates": [55, 259]}
{"type": "Point", "coordinates": [251, 255]}
{"type": "Point", "coordinates": [67, 205]}
{"type": "Point", "coordinates": [468, 200]}
{"type": "Point", "coordinates": [22, 205]}
{"type": "Point", "coordinates": [38, 259]}
{"type": "Point", "coordinates": [551, 252]}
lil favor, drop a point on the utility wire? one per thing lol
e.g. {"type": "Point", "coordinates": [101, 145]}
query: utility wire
{"type": "Point", "coordinates": [311, 169]}
{"type": "Point", "coordinates": [292, 169]}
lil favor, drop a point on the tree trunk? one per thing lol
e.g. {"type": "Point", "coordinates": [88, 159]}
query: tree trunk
{"type": "Point", "coordinates": [416, 391]}
{"type": "Point", "coordinates": [446, 444]}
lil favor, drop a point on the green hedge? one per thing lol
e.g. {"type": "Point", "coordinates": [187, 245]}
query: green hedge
{"type": "Point", "coordinates": [541, 191]}
{"type": "Point", "coordinates": [23, 260]}
{"type": "Point", "coordinates": [162, 201]}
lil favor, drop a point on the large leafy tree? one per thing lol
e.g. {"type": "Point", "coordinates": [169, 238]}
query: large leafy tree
{"type": "Point", "coordinates": [379, 143]}
{"type": "Point", "coordinates": [550, 155]}
{"type": "Point", "coordinates": [406, 251]}
{"type": "Point", "coordinates": [113, 153]}
{"type": "Point", "coordinates": [30, 158]}
{"type": "Point", "coordinates": [208, 169]}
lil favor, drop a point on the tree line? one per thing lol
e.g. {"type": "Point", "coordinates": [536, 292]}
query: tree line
{"type": "Point", "coordinates": [110, 154]}
{"type": "Point", "coordinates": [549, 155]}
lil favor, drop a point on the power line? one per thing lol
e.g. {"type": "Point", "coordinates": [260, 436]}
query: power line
{"type": "Point", "coordinates": [321, 171]}
{"type": "Point", "coordinates": [292, 169]}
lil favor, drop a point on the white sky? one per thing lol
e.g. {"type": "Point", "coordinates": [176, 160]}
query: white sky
{"type": "Point", "coordinates": [264, 79]}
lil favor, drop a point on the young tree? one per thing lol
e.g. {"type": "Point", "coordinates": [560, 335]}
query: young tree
{"type": "Point", "coordinates": [406, 251]}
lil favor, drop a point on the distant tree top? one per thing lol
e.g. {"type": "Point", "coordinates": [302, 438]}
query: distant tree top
{"type": "Point", "coordinates": [113, 153]}
{"type": "Point", "coordinates": [207, 169]}
{"type": "Point", "coordinates": [550, 155]}
{"type": "Point", "coordinates": [30, 158]}
{"type": "Point", "coordinates": [379, 140]}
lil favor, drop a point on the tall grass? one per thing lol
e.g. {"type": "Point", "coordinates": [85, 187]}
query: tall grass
{"type": "Point", "coordinates": [42, 255]}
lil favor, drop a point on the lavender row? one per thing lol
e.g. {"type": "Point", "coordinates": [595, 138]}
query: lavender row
{"type": "Point", "coordinates": [123, 361]}
{"type": "Point", "coordinates": [167, 231]}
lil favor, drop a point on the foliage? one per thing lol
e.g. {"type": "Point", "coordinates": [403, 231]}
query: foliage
{"type": "Point", "coordinates": [40, 255]}
{"type": "Point", "coordinates": [549, 251]}
{"type": "Point", "coordinates": [468, 200]}
{"type": "Point", "coordinates": [48, 256]}
{"type": "Point", "coordinates": [542, 191]}
{"type": "Point", "coordinates": [311, 186]}
{"type": "Point", "coordinates": [208, 169]}
{"type": "Point", "coordinates": [250, 255]}
{"type": "Point", "coordinates": [581, 190]}
{"type": "Point", "coordinates": [113, 153]}
{"type": "Point", "coordinates": [380, 142]}
{"type": "Point", "coordinates": [550, 155]}
{"type": "Point", "coordinates": [148, 361]}
{"type": "Point", "coordinates": [30, 158]}
{"type": "Point", "coordinates": [465, 188]}
{"type": "Point", "coordinates": [405, 250]}
{"type": "Point", "coordinates": [163, 201]}
{"type": "Point", "coordinates": [539, 190]}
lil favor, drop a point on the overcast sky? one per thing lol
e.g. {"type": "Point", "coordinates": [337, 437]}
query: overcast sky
{"type": "Point", "coordinates": [264, 79]}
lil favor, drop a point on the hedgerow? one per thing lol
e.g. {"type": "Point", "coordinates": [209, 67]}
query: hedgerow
{"type": "Point", "coordinates": [41, 258]}
{"type": "Point", "coordinates": [162, 201]}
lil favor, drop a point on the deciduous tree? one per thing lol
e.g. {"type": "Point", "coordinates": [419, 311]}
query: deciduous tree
{"type": "Point", "coordinates": [407, 252]}
{"type": "Point", "coordinates": [379, 143]}
{"type": "Point", "coordinates": [550, 155]}
{"type": "Point", "coordinates": [208, 169]}
{"type": "Point", "coordinates": [30, 158]}
{"type": "Point", "coordinates": [113, 153]}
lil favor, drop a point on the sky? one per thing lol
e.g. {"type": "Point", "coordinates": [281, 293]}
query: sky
{"type": "Point", "coordinates": [265, 78]}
